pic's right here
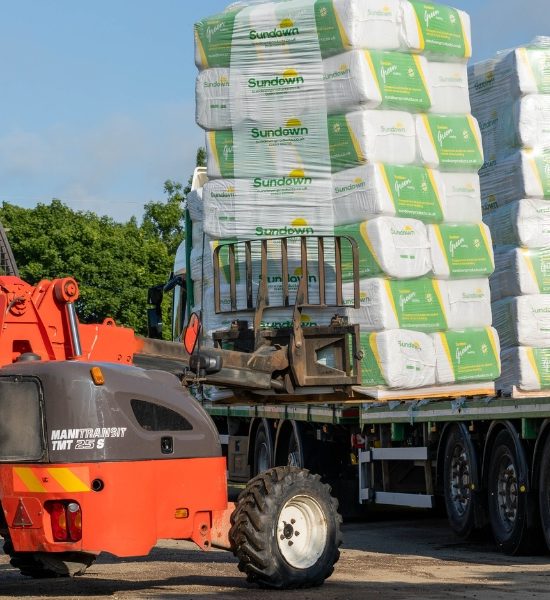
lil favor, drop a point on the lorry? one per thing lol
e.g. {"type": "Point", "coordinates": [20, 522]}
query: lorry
{"type": "Point", "coordinates": [98, 455]}
{"type": "Point", "coordinates": [483, 456]}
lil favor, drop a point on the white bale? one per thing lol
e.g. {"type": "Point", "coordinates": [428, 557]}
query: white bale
{"type": "Point", "coordinates": [397, 359]}
{"type": "Point", "coordinates": [524, 223]}
{"type": "Point", "coordinates": [523, 320]}
{"type": "Point", "coordinates": [520, 271]}
{"type": "Point", "coordinates": [267, 207]}
{"type": "Point", "coordinates": [523, 174]}
{"type": "Point", "coordinates": [373, 79]}
{"type": "Point", "coordinates": [388, 190]}
{"type": "Point", "coordinates": [421, 304]}
{"type": "Point", "coordinates": [527, 368]}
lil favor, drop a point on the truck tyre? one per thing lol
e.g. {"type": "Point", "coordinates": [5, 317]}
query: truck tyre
{"type": "Point", "coordinates": [42, 565]}
{"type": "Point", "coordinates": [544, 492]}
{"type": "Point", "coordinates": [458, 477]}
{"type": "Point", "coordinates": [286, 529]}
{"type": "Point", "coordinates": [263, 451]}
{"type": "Point", "coordinates": [509, 510]}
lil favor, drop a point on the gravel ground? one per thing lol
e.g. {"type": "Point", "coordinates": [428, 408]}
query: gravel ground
{"type": "Point", "coordinates": [397, 556]}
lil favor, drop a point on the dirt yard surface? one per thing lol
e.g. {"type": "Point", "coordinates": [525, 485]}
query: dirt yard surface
{"type": "Point", "coordinates": [398, 558]}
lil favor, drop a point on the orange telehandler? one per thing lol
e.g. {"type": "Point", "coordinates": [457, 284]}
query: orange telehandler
{"type": "Point", "coordinates": [99, 455]}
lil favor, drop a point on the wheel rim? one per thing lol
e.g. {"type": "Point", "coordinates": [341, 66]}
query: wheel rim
{"type": "Point", "coordinates": [507, 492]}
{"type": "Point", "coordinates": [460, 481]}
{"type": "Point", "coordinates": [301, 532]}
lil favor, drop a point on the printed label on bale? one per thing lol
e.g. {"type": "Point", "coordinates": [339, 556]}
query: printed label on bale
{"type": "Point", "coordinates": [455, 140]}
{"type": "Point", "coordinates": [539, 359]}
{"type": "Point", "coordinates": [541, 165]}
{"type": "Point", "coordinates": [466, 248]}
{"type": "Point", "coordinates": [344, 147]}
{"type": "Point", "coordinates": [221, 145]}
{"type": "Point", "coordinates": [413, 192]}
{"type": "Point", "coordinates": [472, 354]}
{"type": "Point", "coordinates": [441, 30]}
{"type": "Point", "coordinates": [400, 78]}
{"type": "Point", "coordinates": [538, 60]}
{"type": "Point", "coordinates": [371, 372]}
{"type": "Point", "coordinates": [213, 38]}
{"type": "Point", "coordinates": [538, 265]}
{"type": "Point", "coordinates": [417, 304]}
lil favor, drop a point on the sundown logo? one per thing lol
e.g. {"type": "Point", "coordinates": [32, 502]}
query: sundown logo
{"type": "Point", "coordinates": [292, 128]}
{"type": "Point", "coordinates": [406, 230]}
{"type": "Point", "coordinates": [342, 71]}
{"type": "Point", "coordinates": [223, 81]}
{"type": "Point", "coordinates": [399, 127]}
{"type": "Point", "coordinates": [410, 345]}
{"type": "Point", "coordinates": [358, 183]}
{"type": "Point", "coordinates": [289, 77]}
{"type": "Point", "coordinates": [285, 29]}
{"type": "Point", "coordinates": [299, 226]}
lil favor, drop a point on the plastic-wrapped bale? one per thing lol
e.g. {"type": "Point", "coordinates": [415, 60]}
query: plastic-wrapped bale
{"type": "Point", "coordinates": [422, 304]}
{"type": "Point", "coordinates": [377, 79]}
{"type": "Point", "coordinates": [521, 123]}
{"type": "Point", "coordinates": [441, 32]}
{"type": "Point", "coordinates": [523, 223]}
{"type": "Point", "coordinates": [391, 246]}
{"type": "Point", "coordinates": [461, 250]}
{"type": "Point", "coordinates": [353, 139]}
{"type": "Point", "coordinates": [520, 271]}
{"type": "Point", "coordinates": [525, 367]}
{"type": "Point", "coordinates": [523, 174]}
{"type": "Point", "coordinates": [375, 190]}
{"type": "Point", "coordinates": [397, 359]}
{"type": "Point", "coordinates": [405, 191]}
{"type": "Point", "coordinates": [467, 355]}
{"type": "Point", "coordinates": [523, 320]}
{"type": "Point", "coordinates": [449, 142]}
{"type": "Point", "coordinates": [511, 74]}
{"type": "Point", "coordinates": [225, 98]}
{"type": "Point", "coordinates": [267, 207]}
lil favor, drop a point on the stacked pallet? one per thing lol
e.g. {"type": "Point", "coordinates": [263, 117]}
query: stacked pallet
{"type": "Point", "coordinates": [352, 117]}
{"type": "Point", "coordinates": [511, 98]}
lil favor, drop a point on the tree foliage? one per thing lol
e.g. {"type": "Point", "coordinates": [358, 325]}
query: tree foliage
{"type": "Point", "coordinates": [114, 263]}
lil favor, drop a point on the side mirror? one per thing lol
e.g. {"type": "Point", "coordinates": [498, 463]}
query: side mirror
{"type": "Point", "coordinates": [191, 333]}
{"type": "Point", "coordinates": [154, 324]}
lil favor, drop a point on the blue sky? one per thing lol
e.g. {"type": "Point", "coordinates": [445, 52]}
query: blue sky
{"type": "Point", "coordinates": [97, 96]}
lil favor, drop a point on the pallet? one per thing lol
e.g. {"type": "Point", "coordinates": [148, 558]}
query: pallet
{"type": "Point", "coordinates": [442, 392]}
{"type": "Point", "coordinates": [518, 394]}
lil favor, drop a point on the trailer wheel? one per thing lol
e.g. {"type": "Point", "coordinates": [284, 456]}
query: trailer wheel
{"type": "Point", "coordinates": [286, 529]}
{"type": "Point", "coordinates": [544, 491]}
{"type": "Point", "coordinates": [458, 478]}
{"type": "Point", "coordinates": [507, 498]}
{"type": "Point", "coordinates": [42, 565]}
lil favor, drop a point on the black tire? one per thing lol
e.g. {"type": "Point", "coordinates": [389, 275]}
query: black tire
{"type": "Point", "coordinates": [44, 565]}
{"type": "Point", "coordinates": [513, 520]}
{"type": "Point", "coordinates": [262, 539]}
{"type": "Point", "coordinates": [459, 467]}
{"type": "Point", "coordinates": [263, 451]}
{"type": "Point", "coordinates": [544, 492]}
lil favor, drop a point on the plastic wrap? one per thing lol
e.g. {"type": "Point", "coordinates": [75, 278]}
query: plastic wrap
{"type": "Point", "coordinates": [523, 223]}
{"type": "Point", "coordinates": [523, 320]}
{"type": "Point", "coordinates": [520, 271]}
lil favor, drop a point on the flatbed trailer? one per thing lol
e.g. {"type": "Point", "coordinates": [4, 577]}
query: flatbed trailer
{"type": "Point", "coordinates": [485, 459]}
